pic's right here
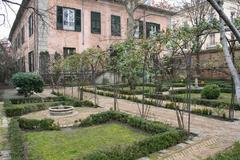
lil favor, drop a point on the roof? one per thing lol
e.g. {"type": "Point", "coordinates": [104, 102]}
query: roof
{"type": "Point", "coordinates": [21, 10]}
{"type": "Point", "coordinates": [25, 3]}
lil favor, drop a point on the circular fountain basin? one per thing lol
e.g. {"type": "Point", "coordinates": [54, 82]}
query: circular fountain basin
{"type": "Point", "coordinates": [61, 110]}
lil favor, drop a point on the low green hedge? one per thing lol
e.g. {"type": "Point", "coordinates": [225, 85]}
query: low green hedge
{"type": "Point", "coordinates": [165, 97]}
{"type": "Point", "coordinates": [134, 92]}
{"type": "Point", "coordinates": [203, 112]}
{"type": "Point", "coordinates": [16, 140]}
{"type": "Point", "coordinates": [34, 124]}
{"type": "Point", "coordinates": [136, 122]}
{"type": "Point", "coordinates": [182, 91]}
{"type": "Point", "coordinates": [231, 154]}
{"type": "Point", "coordinates": [139, 149]}
{"type": "Point", "coordinates": [18, 107]}
{"type": "Point", "coordinates": [18, 110]}
{"type": "Point", "coordinates": [162, 137]}
{"type": "Point", "coordinates": [36, 100]}
{"type": "Point", "coordinates": [204, 102]}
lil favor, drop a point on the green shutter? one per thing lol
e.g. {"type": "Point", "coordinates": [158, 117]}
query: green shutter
{"type": "Point", "coordinates": [95, 22]}
{"type": "Point", "coordinates": [158, 28]}
{"type": "Point", "coordinates": [59, 17]}
{"type": "Point", "coordinates": [140, 29]}
{"type": "Point", "coordinates": [78, 20]}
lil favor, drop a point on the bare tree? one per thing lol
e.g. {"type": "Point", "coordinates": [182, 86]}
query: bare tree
{"type": "Point", "coordinates": [217, 5]}
{"type": "Point", "coordinates": [198, 12]}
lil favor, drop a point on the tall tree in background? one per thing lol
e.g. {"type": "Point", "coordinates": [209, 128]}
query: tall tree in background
{"type": "Point", "coordinates": [199, 13]}
{"type": "Point", "coordinates": [8, 64]}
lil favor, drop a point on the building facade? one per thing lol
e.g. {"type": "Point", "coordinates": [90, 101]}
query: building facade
{"type": "Point", "coordinates": [71, 26]}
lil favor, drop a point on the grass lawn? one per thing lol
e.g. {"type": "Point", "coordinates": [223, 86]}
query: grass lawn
{"type": "Point", "coordinates": [224, 97]}
{"type": "Point", "coordinates": [70, 144]}
{"type": "Point", "coordinates": [3, 138]}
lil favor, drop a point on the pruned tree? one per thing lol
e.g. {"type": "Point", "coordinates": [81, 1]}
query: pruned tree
{"type": "Point", "coordinates": [199, 13]}
{"type": "Point", "coordinates": [94, 59]}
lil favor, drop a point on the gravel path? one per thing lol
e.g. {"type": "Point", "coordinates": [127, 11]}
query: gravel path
{"type": "Point", "coordinates": [5, 153]}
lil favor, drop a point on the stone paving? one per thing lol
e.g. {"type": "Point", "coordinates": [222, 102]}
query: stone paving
{"type": "Point", "coordinates": [68, 120]}
{"type": "Point", "coordinates": [213, 135]}
{"type": "Point", "coordinates": [5, 153]}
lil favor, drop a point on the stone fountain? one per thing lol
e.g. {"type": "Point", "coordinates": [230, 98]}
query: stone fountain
{"type": "Point", "coordinates": [61, 110]}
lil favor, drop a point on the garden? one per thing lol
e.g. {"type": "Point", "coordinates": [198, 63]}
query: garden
{"type": "Point", "coordinates": [66, 125]}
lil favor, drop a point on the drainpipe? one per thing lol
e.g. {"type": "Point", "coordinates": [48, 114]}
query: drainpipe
{"type": "Point", "coordinates": [83, 41]}
{"type": "Point", "coordinates": [36, 57]}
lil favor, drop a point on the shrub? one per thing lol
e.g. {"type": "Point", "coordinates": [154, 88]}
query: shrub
{"type": "Point", "coordinates": [231, 154]}
{"type": "Point", "coordinates": [135, 122]}
{"type": "Point", "coordinates": [27, 83]}
{"type": "Point", "coordinates": [210, 92]}
{"type": "Point", "coordinates": [19, 110]}
{"type": "Point", "coordinates": [33, 124]}
{"type": "Point", "coordinates": [35, 100]}
{"type": "Point", "coordinates": [16, 140]}
{"type": "Point", "coordinates": [203, 112]}
{"type": "Point", "coordinates": [138, 149]}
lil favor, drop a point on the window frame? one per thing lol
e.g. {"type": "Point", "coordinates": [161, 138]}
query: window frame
{"type": "Point", "coordinates": [30, 25]}
{"type": "Point", "coordinates": [113, 25]}
{"type": "Point", "coordinates": [96, 30]}
{"type": "Point", "coordinates": [65, 55]}
{"type": "Point", "coordinates": [60, 20]}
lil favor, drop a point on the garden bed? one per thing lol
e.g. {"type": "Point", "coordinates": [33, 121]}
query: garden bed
{"type": "Point", "coordinates": [71, 144]}
{"type": "Point", "coordinates": [103, 136]}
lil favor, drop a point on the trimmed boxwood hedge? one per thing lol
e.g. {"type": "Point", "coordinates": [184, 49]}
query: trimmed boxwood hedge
{"type": "Point", "coordinates": [136, 122]}
{"type": "Point", "coordinates": [16, 140]}
{"type": "Point", "coordinates": [35, 100]}
{"type": "Point", "coordinates": [18, 107]}
{"type": "Point", "coordinates": [15, 110]}
{"type": "Point", "coordinates": [171, 106]}
{"type": "Point", "coordinates": [34, 124]}
{"type": "Point", "coordinates": [204, 102]}
{"type": "Point", "coordinates": [162, 136]}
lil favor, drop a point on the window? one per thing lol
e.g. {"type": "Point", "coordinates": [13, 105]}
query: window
{"type": "Point", "coordinates": [152, 29]}
{"type": "Point", "coordinates": [212, 39]}
{"type": "Point", "coordinates": [22, 35]}
{"type": "Point", "coordinates": [116, 25]}
{"type": "Point", "coordinates": [96, 22]}
{"type": "Point", "coordinates": [68, 51]}
{"type": "Point", "coordinates": [31, 61]}
{"type": "Point", "coordinates": [30, 25]}
{"type": "Point", "coordinates": [68, 19]}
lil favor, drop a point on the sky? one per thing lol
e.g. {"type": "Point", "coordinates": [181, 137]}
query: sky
{"type": "Point", "coordinates": [10, 17]}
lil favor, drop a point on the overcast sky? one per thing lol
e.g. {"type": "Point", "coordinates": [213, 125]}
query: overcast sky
{"type": "Point", "coordinates": [10, 17]}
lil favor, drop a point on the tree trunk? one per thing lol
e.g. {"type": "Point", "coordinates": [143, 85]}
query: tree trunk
{"type": "Point", "coordinates": [229, 61]}
{"type": "Point", "coordinates": [218, 8]}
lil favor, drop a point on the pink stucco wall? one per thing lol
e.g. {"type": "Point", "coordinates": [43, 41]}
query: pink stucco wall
{"type": "Point", "coordinates": [85, 39]}
{"type": "Point", "coordinates": [58, 39]}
